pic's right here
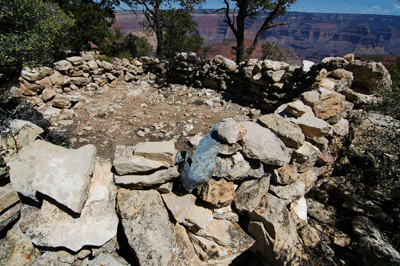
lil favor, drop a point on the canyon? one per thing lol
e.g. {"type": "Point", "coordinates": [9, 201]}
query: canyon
{"type": "Point", "coordinates": [308, 36]}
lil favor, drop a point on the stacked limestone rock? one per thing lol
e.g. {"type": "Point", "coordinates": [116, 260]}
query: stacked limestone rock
{"type": "Point", "coordinates": [70, 84]}
{"type": "Point", "coordinates": [67, 199]}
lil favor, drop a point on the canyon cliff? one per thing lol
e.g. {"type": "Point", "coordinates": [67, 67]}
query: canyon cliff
{"type": "Point", "coordinates": [310, 36]}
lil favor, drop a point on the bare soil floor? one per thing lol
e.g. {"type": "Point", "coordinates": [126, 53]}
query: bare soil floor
{"type": "Point", "coordinates": [118, 117]}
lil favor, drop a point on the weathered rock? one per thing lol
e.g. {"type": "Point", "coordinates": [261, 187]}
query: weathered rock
{"type": "Point", "coordinates": [285, 175]}
{"type": "Point", "coordinates": [147, 227]}
{"type": "Point", "coordinates": [326, 104]}
{"type": "Point", "coordinates": [80, 81]}
{"type": "Point", "coordinates": [220, 242]}
{"type": "Point", "coordinates": [60, 80]}
{"type": "Point", "coordinates": [75, 60]}
{"type": "Point", "coordinates": [23, 133]}
{"type": "Point", "coordinates": [289, 192]}
{"type": "Point", "coordinates": [225, 149]}
{"type": "Point", "coordinates": [261, 144]}
{"type": "Point", "coordinates": [66, 177]}
{"type": "Point", "coordinates": [341, 128]}
{"type": "Point", "coordinates": [299, 208]}
{"type": "Point", "coordinates": [156, 178]}
{"type": "Point", "coordinates": [92, 65]}
{"type": "Point", "coordinates": [198, 218]}
{"type": "Point", "coordinates": [163, 151]}
{"type": "Point", "coordinates": [61, 102]}
{"type": "Point", "coordinates": [48, 94]}
{"type": "Point", "coordinates": [277, 241]}
{"type": "Point", "coordinates": [185, 254]}
{"type": "Point", "coordinates": [179, 206]}
{"type": "Point", "coordinates": [225, 213]}
{"type": "Point", "coordinates": [370, 75]}
{"type": "Point", "coordinates": [9, 215]}
{"type": "Point", "coordinates": [288, 132]}
{"type": "Point", "coordinates": [23, 165]}
{"type": "Point", "coordinates": [310, 125]}
{"type": "Point", "coordinates": [105, 259]}
{"type": "Point", "coordinates": [349, 57]}
{"type": "Point", "coordinates": [310, 236]}
{"type": "Point", "coordinates": [17, 249]}
{"type": "Point", "coordinates": [249, 194]}
{"type": "Point", "coordinates": [305, 157]}
{"type": "Point", "coordinates": [296, 108]}
{"type": "Point", "coordinates": [306, 66]}
{"type": "Point", "coordinates": [127, 163]}
{"type": "Point", "coordinates": [321, 212]}
{"type": "Point", "coordinates": [30, 74]}
{"type": "Point", "coordinates": [8, 197]}
{"type": "Point", "coordinates": [96, 225]}
{"type": "Point", "coordinates": [231, 131]}
{"type": "Point", "coordinates": [219, 193]}
{"type": "Point", "coordinates": [62, 65]}
{"type": "Point", "coordinates": [332, 63]}
{"type": "Point", "coordinates": [373, 245]}
{"type": "Point", "coordinates": [28, 216]}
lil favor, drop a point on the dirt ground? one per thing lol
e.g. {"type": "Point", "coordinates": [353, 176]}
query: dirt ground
{"type": "Point", "coordinates": [119, 117]}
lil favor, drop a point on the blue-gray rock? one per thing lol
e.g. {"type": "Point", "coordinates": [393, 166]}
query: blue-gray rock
{"type": "Point", "coordinates": [202, 165]}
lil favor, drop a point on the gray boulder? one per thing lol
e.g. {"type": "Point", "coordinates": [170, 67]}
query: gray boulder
{"type": "Point", "coordinates": [261, 144]}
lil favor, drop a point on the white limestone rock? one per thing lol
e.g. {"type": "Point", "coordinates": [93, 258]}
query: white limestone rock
{"type": "Point", "coordinates": [163, 151]}
{"type": "Point", "coordinates": [159, 177]}
{"type": "Point", "coordinates": [23, 132]}
{"type": "Point", "coordinates": [62, 65]}
{"type": "Point", "coordinates": [290, 133]}
{"type": "Point", "coordinates": [66, 177]}
{"type": "Point", "coordinates": [231, 131]}
{"type": "Point", "coordinates": [23, 165]}
{"type": "Point", "coordinates": [261, 144]}
{"type": "Point", "coordinates": [220, 242]}
{"type": "Point", "coordinates": [125, 162]}
{"type": "Point", "coordinates": [179, 206]}
{"type": "Point", "coordinates": [96, 225]}
{"type": "Point", "coordinates": [147, 226]}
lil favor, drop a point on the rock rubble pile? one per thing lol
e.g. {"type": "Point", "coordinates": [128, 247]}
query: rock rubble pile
{"type": "Point", "coordinates": [252, 190]}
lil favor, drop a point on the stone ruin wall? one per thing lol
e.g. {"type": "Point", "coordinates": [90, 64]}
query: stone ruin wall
{"type": "Point", "coordinates": [262, 168]}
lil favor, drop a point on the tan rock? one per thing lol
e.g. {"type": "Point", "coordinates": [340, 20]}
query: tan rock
{"type": "Point", "coordinates": [157, 178]}
{"type": "Point", "coordinates": [147, 226]}
{"type": "Point", "coordinates": [231, 131]}
{"type": "Point", "coordinates": [219, 193]}
{"type": "Point", "coordinates": [290, 133]}
{"type": "Point", "coordinates": [285, 175]}
{"type": "Point", "coordinates": [179, 206]}
{"type": "Point", "coordinates": [261, 144]}
{"type": "Point", "coordinates": [163, 151]}
{"type": "Point", "coordinates": [127, 163]}
{"type": "Point", "coordinates": [275, 232]}
{"type": "Point", "coordinates": [249, 194]}
{"type": "Point", "coordinates": [61, 102]}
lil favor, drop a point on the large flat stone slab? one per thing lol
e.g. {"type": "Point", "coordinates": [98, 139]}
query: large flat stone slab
{"type": "Point", "coordinates": [261, 144]}
{"type": "Point", "coordinates": [159, 177]}
{"type": "Point", "coordinates": [163, 151]}
{"type": "Point", "coordinates": [66, 177]}
{"type": "Point", "coordinates": [96, 225]}
{"type": "Point", "coordinates": [287, 131]}
{"type": "Point", "coordinates": [23, 165]}
{"type": "Point", "coordinates": [147, 226]}
{"type": "Point", "coordinates": [125, 162]}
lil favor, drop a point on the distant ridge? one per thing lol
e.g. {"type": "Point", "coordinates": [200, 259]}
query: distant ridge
{"type": "Point", "coordinates": [311, 36]}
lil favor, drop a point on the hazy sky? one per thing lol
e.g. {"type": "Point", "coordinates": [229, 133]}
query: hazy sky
{"type": "Point", "coordinates": [383, 7]}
